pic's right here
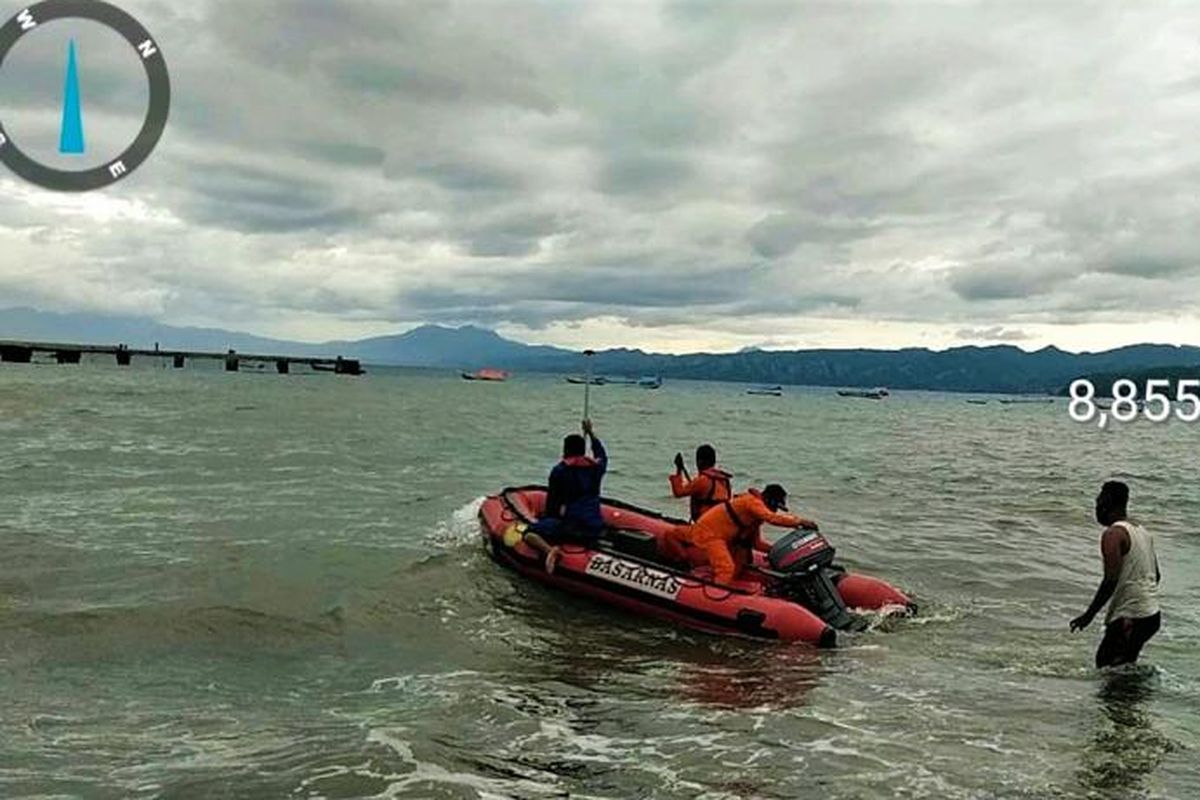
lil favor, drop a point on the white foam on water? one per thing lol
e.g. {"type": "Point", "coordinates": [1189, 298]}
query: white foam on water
{"type": "Point", "coordinates": [1172, 681]}
{"type": "Point", "coordinates": [1035, 665]}
{"type": "Point", "coordinates": [460, 530]}
{"type": "Point", "coordinates": [840, 746]}
{"type": "Point", "coordinates": [585, 746]}
{"type": "Point", "coordinates": [651, 755]}
{"type": "Point", "coordinates": [991, 744]}
{"type": "Point", "coordinates": [493, 625]}
{"type": "Point", "coordinates": [426, 682]}
{"type": "Point", "coordinates": [840, 722]}
{"type": "Point", "coordinates": [339, 771]}
{"type": "Point", "coordinates": [425, 772]}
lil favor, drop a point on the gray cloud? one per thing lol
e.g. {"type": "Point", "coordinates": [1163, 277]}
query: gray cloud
{"type": "Point", "coordinates": [1004, 281]}
{"type": "Point", "coordinates": [780, 234]}
{"type": "Point", "coordinates": [254, 200]}
{"type": "Point", "coordinates": [716, 165]}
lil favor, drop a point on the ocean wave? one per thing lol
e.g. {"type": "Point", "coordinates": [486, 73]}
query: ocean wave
{"type": "Point", "coordinates": [459, 530]}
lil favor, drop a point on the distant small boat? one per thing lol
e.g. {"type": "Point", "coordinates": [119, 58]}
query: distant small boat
{"type": "Point", "coordinates": [1024, 401]}
{"type": "Point", "coordinates": [650, 382]}
{"type": "Point", "coordinates": [865, 394]}
{"type": "Point", "coordinates": [766, 391]}
{"type": "Point", "coordinates": [599, 380]}
{"type": "Point", "coordinates": [978, 402]}
{"type": "Point", "coordinates": [492, 375]}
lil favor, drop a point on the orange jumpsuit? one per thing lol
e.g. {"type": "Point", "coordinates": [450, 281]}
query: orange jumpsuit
{"type": "Point", "coordinates": [710, 488]}
{"type": "Point", "coordinates": [736, 522]}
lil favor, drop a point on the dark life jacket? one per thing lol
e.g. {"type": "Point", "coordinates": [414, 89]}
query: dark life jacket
{"type": "Point", "coordinates": [717, 480]}
{"type": "Point", "coordinates": [574, 494]}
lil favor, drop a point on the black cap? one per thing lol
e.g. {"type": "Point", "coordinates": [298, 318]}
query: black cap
{"type": "Point", "coordinates": [775, 496]}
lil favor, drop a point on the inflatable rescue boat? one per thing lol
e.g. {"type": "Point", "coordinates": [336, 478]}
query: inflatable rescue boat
{"type": "Point", "coordinates": [793, 593]}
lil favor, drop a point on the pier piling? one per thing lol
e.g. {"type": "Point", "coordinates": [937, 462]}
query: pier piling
{"type": "Point", "coordinates": [16, 354]}
{"type": "Point", "coordinates": [347, 366]}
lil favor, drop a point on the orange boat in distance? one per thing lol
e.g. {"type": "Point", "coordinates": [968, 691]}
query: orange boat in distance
{"type": "Point", "coordinates": [493, 375]}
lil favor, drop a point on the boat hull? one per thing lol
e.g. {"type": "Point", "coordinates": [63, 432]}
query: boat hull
{"type": "Point", "coordinates": [608, 574]}
{"type": "Point", "coordinates": [486, 376]}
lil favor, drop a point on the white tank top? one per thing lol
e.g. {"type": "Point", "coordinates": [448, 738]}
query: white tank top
{"type": "Point", "coordinates": [1136, 594]}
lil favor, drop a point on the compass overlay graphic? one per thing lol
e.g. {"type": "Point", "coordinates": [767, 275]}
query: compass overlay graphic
{"type": "Point", "coordinates": [72, 140]}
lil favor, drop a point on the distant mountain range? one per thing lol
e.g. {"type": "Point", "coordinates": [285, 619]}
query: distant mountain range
{"type": "Point", "coordinates": [427, 346]}
{"type": "Point", "coordinates": [1001, 368]}
{"type": "Point", "coordinates": [436, 346]}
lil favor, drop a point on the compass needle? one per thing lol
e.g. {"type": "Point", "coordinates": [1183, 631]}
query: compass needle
{"type": "Point", "coordinates": [70, 141]}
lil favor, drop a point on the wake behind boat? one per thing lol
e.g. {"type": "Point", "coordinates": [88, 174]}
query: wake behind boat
{"type": "Point", "coordinates": [795, 593]}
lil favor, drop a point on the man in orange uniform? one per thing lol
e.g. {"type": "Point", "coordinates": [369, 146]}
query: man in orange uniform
{"type": "Point", "coordinates": [736, 524]}
{"type": "Point", "coordinates": [709, 488]}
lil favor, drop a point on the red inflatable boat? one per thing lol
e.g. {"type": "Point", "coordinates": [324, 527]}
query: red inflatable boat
{"type": "Point", "coordinates": [795, 593]}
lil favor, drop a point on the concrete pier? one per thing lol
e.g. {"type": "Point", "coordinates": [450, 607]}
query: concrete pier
{"type": "Point", "coordinates": [17, 352]}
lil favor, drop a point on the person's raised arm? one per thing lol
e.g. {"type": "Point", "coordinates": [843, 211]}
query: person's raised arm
{"type": "Point", "coordinates": [680, 467]}
{"type": "Point", "coordinates": [681, 486]}
{"type": "Point", "coordinates": [598, 452]}
{"type": "Point", "coordinates": [681, 482]}
{"type": "Point", "coordinates": [1112, 549]}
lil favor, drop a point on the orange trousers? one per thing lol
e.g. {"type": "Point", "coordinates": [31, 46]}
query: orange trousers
{"type": "Point", "coordinates": [725, 561]}
{"type": "Point", "coordinates": [721, 559]}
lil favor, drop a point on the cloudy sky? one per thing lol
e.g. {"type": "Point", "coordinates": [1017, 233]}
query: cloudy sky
{"type": "Point", "coordinates": [676, 175]}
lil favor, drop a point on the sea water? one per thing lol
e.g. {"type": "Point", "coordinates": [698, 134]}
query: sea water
{"type": "Point", "coordinates": [254, 585]}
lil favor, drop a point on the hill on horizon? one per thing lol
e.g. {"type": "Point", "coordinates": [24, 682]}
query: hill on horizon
{"type": "Point", "coordinates": [971, 368]}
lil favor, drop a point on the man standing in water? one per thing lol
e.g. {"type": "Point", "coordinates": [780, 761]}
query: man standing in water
{"type": "Point", "coordinates": [1131, 578]}
{"type": "Point", "coordinates": [572, 512]}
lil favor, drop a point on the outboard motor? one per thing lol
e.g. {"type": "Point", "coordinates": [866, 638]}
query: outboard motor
{"type": "Point", "coordinates": [800, 562]}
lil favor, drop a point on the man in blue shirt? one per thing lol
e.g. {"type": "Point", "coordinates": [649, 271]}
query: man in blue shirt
{"type": "Point", "coordinates": [572, 512]}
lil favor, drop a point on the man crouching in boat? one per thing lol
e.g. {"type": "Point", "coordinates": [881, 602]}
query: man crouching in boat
{"type": "Point", "coordinates": [735, 526]}
{"type": "Point", "coordinates": [711, 486]}
{"type": "Point", "coordinates": [572, 512]}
